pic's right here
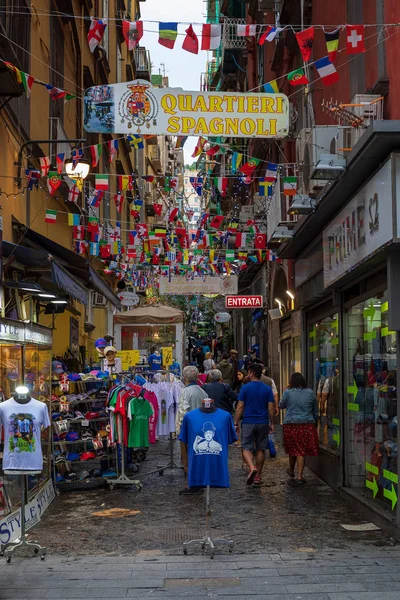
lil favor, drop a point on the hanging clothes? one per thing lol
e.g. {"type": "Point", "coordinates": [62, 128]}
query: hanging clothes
{"type": "Point", "coordinates": [139, 413]}
{"type": "Point", "coordinates": [152, 398]}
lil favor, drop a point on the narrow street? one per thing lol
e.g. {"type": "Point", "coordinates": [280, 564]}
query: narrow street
{"type": "Point", "coordinates": [289, 543]}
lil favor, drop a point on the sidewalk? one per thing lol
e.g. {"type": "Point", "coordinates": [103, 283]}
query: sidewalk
{"type": "Point", "coordinates": [292, 576]}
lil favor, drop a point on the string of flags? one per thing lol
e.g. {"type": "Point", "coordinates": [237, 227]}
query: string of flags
{"type": "Point", "coordinates": [27, 82]}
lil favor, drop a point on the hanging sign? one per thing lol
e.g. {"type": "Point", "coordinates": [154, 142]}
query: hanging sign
{"type": "Point", "coordinates": [129, 358]}
{"type": "Point", "coordinates": [167, 356]}
{"type": "Point", "coordinates": [199, 285]}
{"type": "Point", "coordinates": [129, 298]}
{"type": "Point", "coordinates": [222, 317]}
{"type": "Point", "coordinates": [243, 301]}
{"type": "Point", "coordinates": [138, 107]}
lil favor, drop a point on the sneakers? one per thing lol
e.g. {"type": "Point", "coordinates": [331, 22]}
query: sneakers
{"type": "Point", "coordinates": [257, 481]}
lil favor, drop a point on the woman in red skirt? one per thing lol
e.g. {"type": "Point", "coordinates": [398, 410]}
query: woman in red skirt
{"type": "Point", "coordinates": [300, 436]}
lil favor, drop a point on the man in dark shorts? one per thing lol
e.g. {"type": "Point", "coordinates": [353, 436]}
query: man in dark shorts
{"type": "Point", "coordinates": [257, 407]}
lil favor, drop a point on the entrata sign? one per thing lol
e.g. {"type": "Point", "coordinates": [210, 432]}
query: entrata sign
{"type": "Point", "coordinates": [243, 301]}
{"type": "Point", "coordinates": [138, 107]}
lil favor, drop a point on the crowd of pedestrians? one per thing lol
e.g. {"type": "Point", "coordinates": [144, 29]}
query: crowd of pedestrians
{"type": "Point", "coordinates": [242, 388]}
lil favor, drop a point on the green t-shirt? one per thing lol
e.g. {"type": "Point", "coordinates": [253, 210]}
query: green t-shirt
{"type": "Point", "coordinates": [139, 411]}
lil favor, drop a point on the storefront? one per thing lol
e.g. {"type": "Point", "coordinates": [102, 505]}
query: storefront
{"type": "Point", "coordinates": [25, 358]}
{"type": "Point", "coordinates": [346, 282]}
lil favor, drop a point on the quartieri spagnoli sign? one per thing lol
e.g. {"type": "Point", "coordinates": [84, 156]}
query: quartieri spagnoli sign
{"type": "Point", "coordinates": [137, 107]}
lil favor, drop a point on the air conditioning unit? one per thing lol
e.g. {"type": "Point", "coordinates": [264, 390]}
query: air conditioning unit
{"type": "Point", "coordinates": [300, 205]}
{"type": "Point", "coordinates": [99, 299]}
{"type": "Point", "coordinates": [311, 144]}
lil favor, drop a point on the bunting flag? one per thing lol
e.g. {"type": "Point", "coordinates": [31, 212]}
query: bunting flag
{"type": "Point", "coordinates": [95, 152]}
{"type": "Point", "coordinates": [246, 30]}
{"type": "Point", "coordinates": [160, 232]}
{"type": "Point", "coordinates": [355, 39]}
{"type": "Point", "coordinates": [191, 42]}
{"type": "Point", "coordinates": [33, 178]}
{"type": "Point", "coordinates": [141, 228]}
{"type": "Point", "coordinates": [248, 168]}
{"type": "Point", "coordinates": [81, 246]}
{"type": "Point", "coordinates": [197, 184]}
{"type": "Point", "coordinates": [297, 77]}
{"type": "Point", "coordinates": [148, 178]}
{"type": "Point", "coordinates": [199, 147]}
{"type": "Point", "coordinates": [101, 182]}
{"type": "Point", "coordinates": [73, 219]}
{"type": "Point", "coordinates": [96, 198]}
{"type": "Point", "coordinates": [44, 165]}
{"type": "Point", "coordinates": [240, 240]}
{"type": "Point", "coordinates": [60, 159]}
{"type": "Point", "coordinates": [132, 32]}
{"type": "Point", "coordinates": [264, 187]}
{"type": "Point", "coordinates": [134, 239]}
{"type": "Point", "coordinates": [73, 194]}
{"type": "Point", "coordinates": [216, 150]}
{"type": "Point", "coordinates": [271, 87]}
{"type": "Point", "coordinates": [173, 213]}
{"type": "Point", "coordinates": [95, 33]}
{"type": "Point", "coordinates": [269, 35]}
{"type": "Point", "coordinates": [76, 156]}
{"type": "Point", "coordinates": [326, 70]}
{"type": "Point", "coordinates": [135, 141]}
{"type": "Point", "coordinates": [93, 225]}
{"type": "Point", "coordinates": [105, 249]}
{"type": "Point", "coordinates": [305, 40]}
{"type": "Point", "coordinates": [53, 182]}
{"type": "Point", "coordinates": [51, 216]}
{"type": "Point", "coordinates": [27, 81]}
{"type": "Point", "coordinates": [119, 200]}
{"type": "Point", "coordinates": [221, 183]}
{"type": "Point", "coordinates": [180, 141]}
{"type": "Point", "coordinates": [260, 241]}
{"type": "Point", "coordinates": [289, 186]}
{"type": "Point", "coordinates": [125, 182]}
{"type": "Point", "coordinates": [94, 248]}
{"type": "Point", "coordinates": [236, 161]}
{"type": "Point", "coordinates": [112, 149]}
{"type": "Point", "coordinates": [55, 93]}
{"type": "Point", "coordinates": [211, 37]}
{"type": "Point", "coordinates": [15, 69]}
{"type": "Point", "coordinates": [217, 221]}
{"type": "Point", "coordinates": [332, 43]}
{"type": "Point", "coordinates": [167, 34]}
{"type": "Point", "coordinates": [157, 208]}
{"type": "Point", "coordinates": [271, 172]}
{"type": "Point", "coordinates": [78, 232]}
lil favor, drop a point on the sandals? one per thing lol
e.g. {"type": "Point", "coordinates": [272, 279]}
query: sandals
{"type": "Point", "coordinates": [300, 481]}
{"type": "Point", "coordinates": [251, 477]}
{"type": "Point", "coordinates": [290, 473]}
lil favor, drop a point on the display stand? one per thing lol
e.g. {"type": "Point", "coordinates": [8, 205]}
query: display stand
{"type": "Point", "coordinates": [122, 479]}
{"type": "Point", "coordinates": [10, 548]}
{"type": "Point", "coordinates": [207, 542]}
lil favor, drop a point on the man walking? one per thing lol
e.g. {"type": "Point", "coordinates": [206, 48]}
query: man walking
{"type": "Point", "coordinates": [257, 408]}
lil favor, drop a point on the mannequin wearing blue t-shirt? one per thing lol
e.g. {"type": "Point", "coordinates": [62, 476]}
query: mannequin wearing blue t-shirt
{"type": "Point", "coordinates": [155, 361]}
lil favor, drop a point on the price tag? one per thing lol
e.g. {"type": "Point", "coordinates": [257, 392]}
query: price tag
{"type": "Point", "coordinates": [167, 356]}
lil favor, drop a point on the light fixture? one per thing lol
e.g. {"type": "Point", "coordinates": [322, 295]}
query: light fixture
{"type": "Point", "coordinates": [26, 286]}
{"type": "Point", "coordinates": [289, 293]}
{"type": "Point", "coordinates": [329, 167]}
{"type": "Point", "coordinates": [81, 170]}
{"type": "Point", "coordinates": [46, 296]}
{"type": "Point", "coordinates": [59, 302]}
{"type": "Point", "coordinates": [278, 302]}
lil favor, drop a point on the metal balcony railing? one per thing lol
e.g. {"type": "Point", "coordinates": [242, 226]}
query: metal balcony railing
{"type": "Point", "coordinates": [230, 38]}
{"type": "Point", "coordinates": [142, 60]}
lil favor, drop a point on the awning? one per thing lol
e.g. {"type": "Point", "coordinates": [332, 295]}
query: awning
{"type": "Point", "coordinates": [72, 263]}
{"type": "Point", "coordinates": [154, 315]}
{"type": "Point", "coordinates": [67, 282]}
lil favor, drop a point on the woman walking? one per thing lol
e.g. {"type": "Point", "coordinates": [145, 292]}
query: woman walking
{"type": "Point", "coordinates": [300, 436]}
{"type": "Point", "coordinates": [208, 363]}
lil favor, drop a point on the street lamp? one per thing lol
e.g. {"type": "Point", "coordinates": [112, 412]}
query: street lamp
{"type": "Point", "coordinates": [80, 171]}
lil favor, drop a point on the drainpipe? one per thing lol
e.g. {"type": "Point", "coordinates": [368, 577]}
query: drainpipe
{"type": "Point", "coordinates": [99, 60]}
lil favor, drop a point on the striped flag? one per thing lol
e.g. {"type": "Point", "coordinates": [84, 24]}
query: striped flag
{"type": "Point", "coordinates": [101, 182]}
{"type": "Point", "coordinates": [269, 35]}
{"type": "Point", "coordinates": [210, 36]}
{"type": "Point", "coordinates": [199, 147]}
{"type": "Point", "coordinates": [132, 32]}
{"type": "Point", "coordinates": [95, 152]}
{"type": "Point", "coordinates": [167, 34]}
{"type": "Point", "coordinates": [271, 172]}
{"type": "Point", "coordinates": [289, 186]}
{"type": "Point", "coordinates": [51, 216]}
{"type": "Point", "coordinates": [112, 148]}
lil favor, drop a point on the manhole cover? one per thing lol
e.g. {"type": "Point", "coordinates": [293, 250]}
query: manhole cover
{"type": "Point", "coordinates": [220, 582]}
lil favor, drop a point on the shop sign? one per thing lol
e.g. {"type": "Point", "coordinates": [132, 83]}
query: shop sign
{"type": "Point", "coordinates": [199, 285]}
{"type": "Point", "coordinates": [219, 305]}
{"type": "Point", "coordinates": [129, 298]}
{"type": "Point", "coordinates": [12, 331]}
{"type": "Point", "coordinates": [222, 317]}
{"type": "Point", "coordinates": [35, 334]}
{"type": "Point", "coordinates": [10, 526]}
{"type": "Point", "coordinates": [167, 356]}
{"type": "Point", "coordinates": [129, 358]}
{"type": "Point", "coordinates": [363, 226]}
{"type": "Point", "coordinates": [137, 106]}
{"type": "Point", "coordinates": [244, 301]}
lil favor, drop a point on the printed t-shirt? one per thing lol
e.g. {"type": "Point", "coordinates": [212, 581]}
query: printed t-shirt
{"type": "Point", "coordinates": [22, 425]}
{"type": "Point", "coordinates": [155, 361]}
{"type": "Point", "coordinates": [256, 396]}
{"type": "Point", "coordinates": [208, 435]}
{"type": "Point", "coordinates": [152, 398]}
{"type": "Point", "coordinates": [139, 412]}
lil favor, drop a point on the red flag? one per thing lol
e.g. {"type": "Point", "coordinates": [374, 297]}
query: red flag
{"type": "Point", "coordinates": [105, 250]}
{"type": "Point", "coordinates": [260, 241]}
{"type": "Point", "coordinates": [78, 232]}
{"type": "Point", "coordinates": [355, 39]}
{"type": "Point", "coordinates": [216, 222]}
{"type": "Point", "coordinates": [132, 32]}
{"type": "Point", "coordinates": [44, 165]}
{"type": "Point", "coordinates": [305, 41]}
{"type": "Point", "coordinates": [173, 214]}
{"type": "Point", "coordinates": [157, 208]}
{"type": "Point", "coordinates": [119, 200]}
{"type": "Point", "coordinates": [191, 41]}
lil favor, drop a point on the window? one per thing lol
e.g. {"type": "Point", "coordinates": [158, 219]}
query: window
{"type": "Point", "coordinates": [371, 401]}
{"type": "Point", "coordinates": [323, 348]}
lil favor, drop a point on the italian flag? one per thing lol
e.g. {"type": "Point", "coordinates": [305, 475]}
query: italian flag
{"type": "Point", "coordinates": [221, 183]}
{"type": "Point", "coordinates": [289, 186]}
{"type": "Point", "coordinates": [51, 216]}
{"type": "Point", "coordinates": [101, 182]}
{"type": "Point", "coordinates": [95, 151]}
{"type": "Point", "coordinates": [27, 81]}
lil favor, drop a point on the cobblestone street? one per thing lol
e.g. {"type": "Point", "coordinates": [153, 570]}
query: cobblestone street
{"type": "Point", "coordinates": [289, 544]}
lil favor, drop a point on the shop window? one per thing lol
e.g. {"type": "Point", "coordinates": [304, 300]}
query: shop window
{"type": "Point", "coordinates": [371, 401]}
{"type": "Point", "coordinates": [324, 350]}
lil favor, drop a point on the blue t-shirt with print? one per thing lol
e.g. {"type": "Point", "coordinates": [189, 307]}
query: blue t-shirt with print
{"type": "Point", "coordinates": [155, 362]}
{"type": "Point", "coordinates": [256, 396]}
{"type": "Point", "coordinates": [208, 435]}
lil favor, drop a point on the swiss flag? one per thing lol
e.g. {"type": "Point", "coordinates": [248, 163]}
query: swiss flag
{"type": "Point", "coordinates": [260, 241]}
{"type": "Point", "coordinates": [355, 39]}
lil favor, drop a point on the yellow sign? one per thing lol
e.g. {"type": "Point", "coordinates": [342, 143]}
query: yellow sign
{"type": "Point", "coordinates": [129, 358]}
{"type": "Point", "coordinates": [167, 357]}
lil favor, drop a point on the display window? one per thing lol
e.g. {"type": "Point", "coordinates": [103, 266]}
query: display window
{"type": "Point", "coordinates": [10, 369]}
{"type": "Point", "coordinates": [371, 401]}
{"type": "Point", "coordinates": [324, 359]}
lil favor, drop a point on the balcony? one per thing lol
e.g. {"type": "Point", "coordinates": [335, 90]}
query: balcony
{"type": "Point", "coordinates": [142, 63]}
{"type": "Point", "coordinates": [230, 39]}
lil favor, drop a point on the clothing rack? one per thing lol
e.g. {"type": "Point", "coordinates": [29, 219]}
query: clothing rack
{"type": "Point", "coordinates": [10, 548]}
{"type": "Point", "coordinates": [122, 479]}
{"type": "Point", "coordinates": [207, 542]}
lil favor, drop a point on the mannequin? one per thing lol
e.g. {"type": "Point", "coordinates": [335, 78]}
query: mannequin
{"type": "Point", "coordinates": [112, 364]}
{"type": "Point", "coordinates": [155, 360]}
